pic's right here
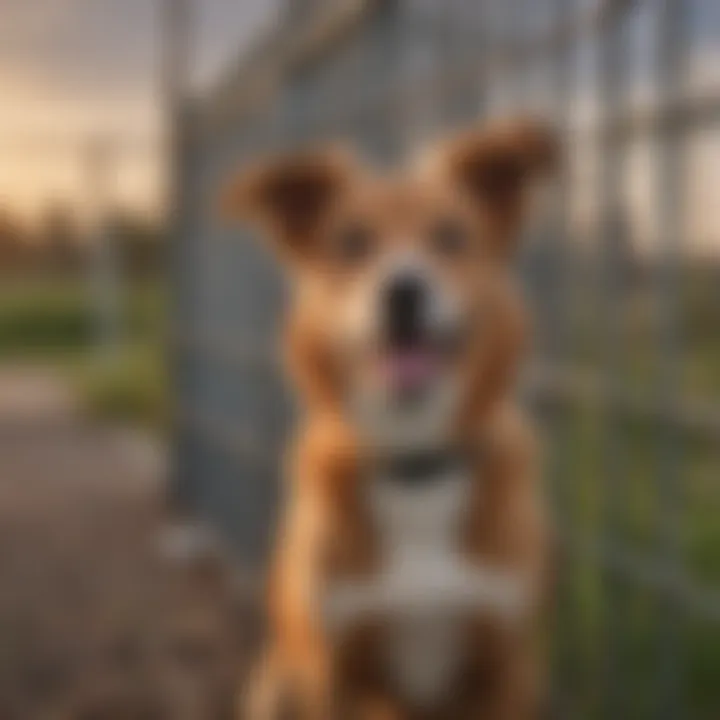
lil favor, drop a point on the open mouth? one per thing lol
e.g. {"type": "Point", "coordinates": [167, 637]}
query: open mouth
{"type": "Point", "coordinates": [411, 368]}
{"type": "Point", "coordinates": [417, 347]}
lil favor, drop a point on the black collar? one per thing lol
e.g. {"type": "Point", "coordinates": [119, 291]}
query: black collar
{"type": "Point", "coordinates": [420, 467]}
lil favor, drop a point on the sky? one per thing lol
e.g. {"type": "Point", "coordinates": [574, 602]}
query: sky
{"type": "Point", "coordinates": [72, 70]}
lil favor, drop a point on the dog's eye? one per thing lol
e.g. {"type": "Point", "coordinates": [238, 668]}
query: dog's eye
{"type": "Point", "coordinates": [353, 243]}
{"type": "Point", "coordinates": [449, 237]}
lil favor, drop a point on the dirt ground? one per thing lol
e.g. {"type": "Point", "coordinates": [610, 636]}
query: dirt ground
{"type": "Point", "coordinates": [95, 623]}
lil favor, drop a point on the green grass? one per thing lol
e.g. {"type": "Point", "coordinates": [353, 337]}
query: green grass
{"type": "Point", "coordinates": [51, 322]}
{"type": "Point", "coordinates": [635, 319]}
{"type": "Point", "coordinates": [613, 624]}
{"type": "Point", "coordinates": [614, 639]}
{"type": "Point", "coordinates": [41, 320]}
{"type": "Point", "coordinates": [132, 387]}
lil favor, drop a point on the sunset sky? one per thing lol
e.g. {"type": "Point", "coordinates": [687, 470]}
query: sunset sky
{"type": "Point", "coordinates": [71, 70]}
{"type": "Point", "coordinates": [74, 69]}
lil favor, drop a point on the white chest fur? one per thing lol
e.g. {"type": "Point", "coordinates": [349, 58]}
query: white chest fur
{"type": "Point", "coordinates": [419, 530]}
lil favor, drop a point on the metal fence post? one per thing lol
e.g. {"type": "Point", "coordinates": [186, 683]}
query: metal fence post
{"type": "Point", "coordinates": [672, 31]}
{"type": "Point", "coordinates": [176, 40]}
{"type": "Point", "coordinates": [105, 270]}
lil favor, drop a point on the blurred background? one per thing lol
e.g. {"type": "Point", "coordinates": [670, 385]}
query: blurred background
{"type": "Point", "coordinates": [142, 413]}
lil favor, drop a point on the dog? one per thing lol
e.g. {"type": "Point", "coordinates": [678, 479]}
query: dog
{"type": "Point", "coordinates": [410, 566]}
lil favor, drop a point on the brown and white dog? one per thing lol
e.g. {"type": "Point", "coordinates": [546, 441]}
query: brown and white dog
{"type": "Point", "coordinates": [411, 553]}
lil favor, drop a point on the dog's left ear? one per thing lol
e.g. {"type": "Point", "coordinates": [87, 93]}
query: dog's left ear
{"type": "Point", "coordinates": [497, 167]}
{"type": "Point", "coordinates": [288, 197]}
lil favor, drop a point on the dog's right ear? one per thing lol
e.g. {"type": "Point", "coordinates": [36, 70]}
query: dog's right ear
{"type": "Point", "coordinates": [289, 197]}
{"type": "Point", "coordinates": [497, 166]}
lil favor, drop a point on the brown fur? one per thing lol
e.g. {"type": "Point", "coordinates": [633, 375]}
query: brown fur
{"type": "Point", "coordinates": [482, 178]}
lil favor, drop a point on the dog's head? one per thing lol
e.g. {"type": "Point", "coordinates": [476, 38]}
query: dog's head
{"type": "Point", "coordinates": [404, 303]}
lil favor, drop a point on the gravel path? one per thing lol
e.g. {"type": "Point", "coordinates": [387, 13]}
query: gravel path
{"type": "Point", "coordinates": [94, 624]}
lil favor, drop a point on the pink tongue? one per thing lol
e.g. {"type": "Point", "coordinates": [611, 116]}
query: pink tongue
{"type": "Point", "coordinates": [409, 369]}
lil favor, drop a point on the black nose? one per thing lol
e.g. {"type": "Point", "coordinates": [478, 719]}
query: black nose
{"type": "Point", "coordinates": [404, 308]}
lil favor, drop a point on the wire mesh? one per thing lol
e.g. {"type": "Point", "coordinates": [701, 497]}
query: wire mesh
{"type": "Point", "coordinates": [635, 629]}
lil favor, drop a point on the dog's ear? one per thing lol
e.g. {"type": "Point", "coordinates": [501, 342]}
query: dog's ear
{"type": "Point", "coordinates": [288, 197]}
{"type": "Point", "coordinates": [497, 167]}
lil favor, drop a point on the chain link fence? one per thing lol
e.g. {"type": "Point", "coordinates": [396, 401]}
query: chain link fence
{"type": "Point", "coordinates": [622, 281]}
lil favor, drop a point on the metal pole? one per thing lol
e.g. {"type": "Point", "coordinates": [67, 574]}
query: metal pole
{"type": "Point", "coordinates": [104, 272]}
{"type": "Point", "coordinates": [174, 90]}
{"type": "Point", "coordinates": [175, 71]}
{"type": "Point", "coordinates": [673, 29]}
{"type": "Point", "coordinates": [612, 74]}
{"type": "Point", "coordinates": [570, 698]}
{"type": "Point", "coordinates": [174, 77]}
